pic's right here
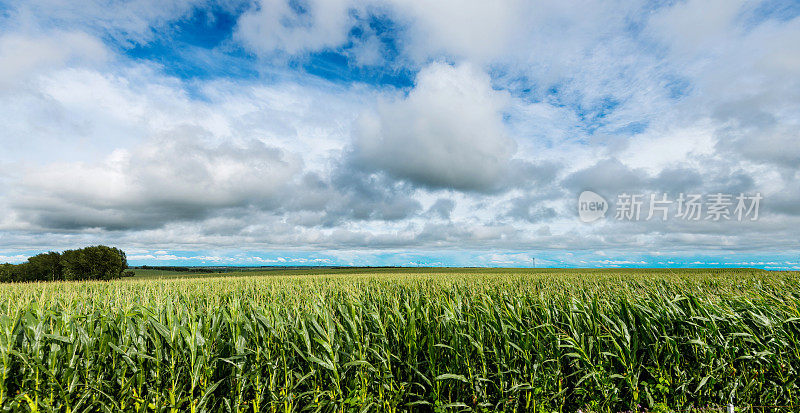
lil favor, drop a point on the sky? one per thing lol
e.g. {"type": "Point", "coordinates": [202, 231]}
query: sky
{"type": "Point", "coordinates": [402, 132]}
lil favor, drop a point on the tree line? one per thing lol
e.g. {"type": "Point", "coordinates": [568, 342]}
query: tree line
{"type": "Point", "coordinates": [182, 269]}
{"type": "Point", "coordinates": [91, 263]}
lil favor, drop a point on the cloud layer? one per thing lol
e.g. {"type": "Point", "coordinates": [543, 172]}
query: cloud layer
{"type": "Point", "coordinates": [447, 133]}
{"type": "Point", "coordinates": [368, 130]}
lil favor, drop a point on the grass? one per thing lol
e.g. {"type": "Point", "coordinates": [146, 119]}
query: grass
{"type": "Point", "coordinates": [402, 339]}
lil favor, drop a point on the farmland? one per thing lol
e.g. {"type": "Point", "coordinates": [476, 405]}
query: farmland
{"type": "Point", "coordinates": [402, 339]}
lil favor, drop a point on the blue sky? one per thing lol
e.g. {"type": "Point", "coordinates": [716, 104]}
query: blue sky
{"type": "Point", "coordinates": [398, 132]}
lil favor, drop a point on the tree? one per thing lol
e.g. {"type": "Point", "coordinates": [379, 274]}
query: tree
{"type": "Point", "coordinates": [91, 263]}
{"type": "Point", "coordinates": [7, 272]}
{"type": "Point", "coordinates": [46, 267]}
{"type": "Point", "coordinates": [97, 263]}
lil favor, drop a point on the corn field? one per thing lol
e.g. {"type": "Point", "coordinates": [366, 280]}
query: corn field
{"type": "Point", "coordinates": [400, 340]}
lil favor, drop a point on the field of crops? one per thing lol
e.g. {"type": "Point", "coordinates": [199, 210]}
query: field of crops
{"type": "Point", "coordinates": [399, 340]}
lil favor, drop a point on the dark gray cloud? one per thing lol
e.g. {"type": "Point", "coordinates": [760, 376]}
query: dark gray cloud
{"type": "Point", "coordinates": [771, 144]}
{"type": "Point", "coordinates": [372, 196]}
{"type": "Point", "coordinates": [612, 177]}
{"type": "Point", "coordinates": [529, 208]}
{"type": "Point", "coordinates": [607, 176]}
{"type": "Point", "coordinates": [526, 174]}
{"type": "Point", "coordinates": [678, 179]}
{"type": "Point", "coordinates": [787, 201]}
{"type": "Point", "coordinates": [349, 195]}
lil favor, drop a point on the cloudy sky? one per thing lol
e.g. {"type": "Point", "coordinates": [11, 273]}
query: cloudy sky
{"type": "Point", "coordinates": [399, 132]}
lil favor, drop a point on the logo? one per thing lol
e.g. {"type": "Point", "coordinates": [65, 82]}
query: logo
{"type": "Point", "coordinates": [715, 207]}
{"type": "Point", "coordinates": [591, 206]}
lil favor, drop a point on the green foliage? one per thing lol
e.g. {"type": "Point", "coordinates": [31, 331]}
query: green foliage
{"type": "Point", "coordinates": [8, 272]}
{"type": "Point", "coordinates": [90, 263]}
{"type": "Point", "coordinates": [93, 263]}
{"type": "Point", "coordinates": [396, 341]}
{"type": "Point", "coordinates": [45, 267]}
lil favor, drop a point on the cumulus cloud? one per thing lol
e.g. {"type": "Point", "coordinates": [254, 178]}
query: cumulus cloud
{"type": "Point", "coordinates": [530, 208]}
{"type": "Point", "coordinates": [346, 196]}
{"type": "Point", "coordinates": [172, 177]}
{"type": "Point", "coordinates": [776, 144]}
{"type": "Point", "coordinates": [22, 56]}
{"type": "Point", "coordinates": [607, 176]}
{"type": "Point", "coordinates": [447, 133]}
{"type": "Point", "coordinates": [514, 110]}
{"type": "Point", "coordinates": [471, 29]}
{"type": "Point", "coordinates": [688, 27]}
{"type": "Point", "coordinates": [293, 27]}
{"type": "Point", "coordinates": [442, 208]}
{"type": "Point", "coordinates": [611, 177]}
{"type": "Point", "coordinates": [474, 28]}
{"type": "Point", "coordinates": [742, 63]}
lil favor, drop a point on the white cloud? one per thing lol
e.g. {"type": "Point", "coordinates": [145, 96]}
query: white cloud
{"type": "Point", "coordinates": [448, 132]}
{"type": "Point", "coordinates": [13, 259]}
{"type": "Point", "coordinates": [23, 56]}
{"type": "Point", "coordinates": [690, 26]}
{"type": "Point", "coordinates": [659, 149]}
{"type": "Point", "coordinates": [542, 99]}
{"type": "Point", "coordinates": [743, 69]}
{"type": "Point", "coordinates": [171, 177]}
{"type": "Point", "coordinates": [279, 25]}
{"type": "Point", "coordinates": [128, 22]}
{"type": "Point", "coordinates": [473, 29]}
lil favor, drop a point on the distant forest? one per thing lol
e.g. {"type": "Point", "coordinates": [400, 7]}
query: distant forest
{"type": "Point", "coordinates": [91, 263]}
{"type": "Point", "coordinates": [187, 269]}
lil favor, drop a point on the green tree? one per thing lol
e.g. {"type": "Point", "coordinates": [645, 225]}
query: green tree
{"type": "Point", "coordinates": [46, 267]}
{"type": "Point", "coordinates": [91, 263]}
{"type": "Point", "coordinates": [98, 262]}
{"type": "Point", "coordinates": [7, 272]}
